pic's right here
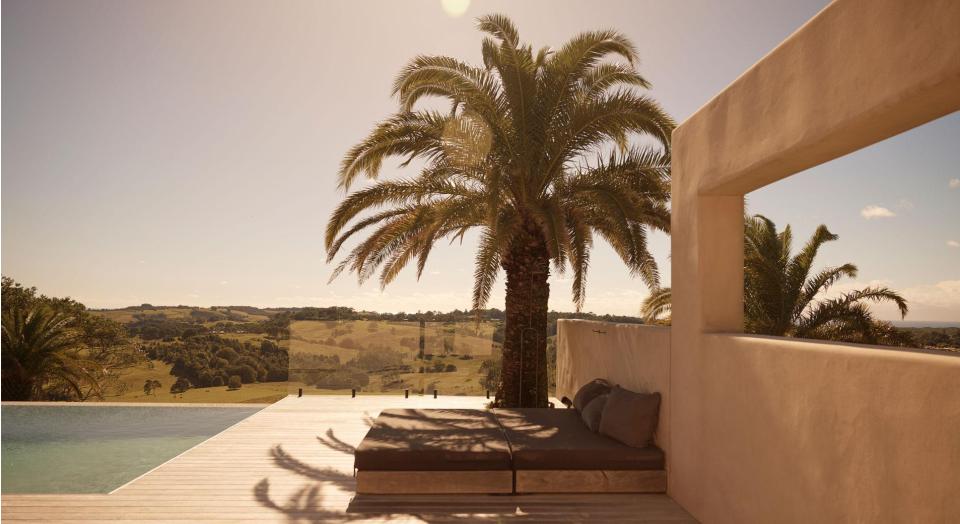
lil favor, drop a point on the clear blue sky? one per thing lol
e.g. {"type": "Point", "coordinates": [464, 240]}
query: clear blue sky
{"type": "Point", "coordinates": [185, 152]}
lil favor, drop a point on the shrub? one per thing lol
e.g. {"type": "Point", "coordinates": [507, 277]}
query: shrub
{"type": "Point", "coordinates": [450, 368]}
{"type": "Point", "coordinates": [234, 382]}
{"type": "Point", "coordinates": [217, 381]}
{"type": "Point", "coordinates": [247, 374]}
{"type": "Point", "coordinates": [180, 386]}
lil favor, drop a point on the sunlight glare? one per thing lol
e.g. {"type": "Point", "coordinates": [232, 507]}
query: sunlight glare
{"type": "Point", "coordinates": [455, 8]}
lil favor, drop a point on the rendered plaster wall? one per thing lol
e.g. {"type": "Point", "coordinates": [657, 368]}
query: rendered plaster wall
{"type": "Point", "coordinates": [824, 432]}
{"type": "Point", "coordinates": [634, 356]}
{"type": "Point", "coordinates": [775, 430]}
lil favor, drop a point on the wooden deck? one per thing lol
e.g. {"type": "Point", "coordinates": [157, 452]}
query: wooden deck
{"type": "Point", "coordinates": [292, 462]}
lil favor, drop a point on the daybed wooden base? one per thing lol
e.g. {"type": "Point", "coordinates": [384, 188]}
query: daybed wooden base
{"type": "Point", "coordinates": [428, 482]}
{"type": "Point", "coordinates": [591, 481]}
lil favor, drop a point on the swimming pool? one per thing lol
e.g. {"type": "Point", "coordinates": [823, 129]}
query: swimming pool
{"type": "Point", "coordinates": [95, 449]}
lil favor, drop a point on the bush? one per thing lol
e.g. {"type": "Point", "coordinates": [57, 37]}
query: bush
{"type": "Point", "coordinates": [234, 382]}
{"type": "Point", "coordinates": [247, 373]}
{"type": "Point", "coordinates": [450, 368]}
{"type": "Point", "coordinates": [217, 381]}
{"type": "Point", "coordinates": [180, 386]}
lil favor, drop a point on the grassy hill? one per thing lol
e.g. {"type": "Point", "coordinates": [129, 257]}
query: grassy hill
{"type": "Point", "coordinates": [454, 353]}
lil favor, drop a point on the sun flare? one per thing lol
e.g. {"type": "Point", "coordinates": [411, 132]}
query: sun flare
{"type": "Point", "coordinates": [455, 8]}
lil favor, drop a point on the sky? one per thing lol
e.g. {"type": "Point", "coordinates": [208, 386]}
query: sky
{"type": "Point", "coordinates": [184, 152]}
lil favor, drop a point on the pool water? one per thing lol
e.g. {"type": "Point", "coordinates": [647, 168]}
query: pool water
{"type": "Point", "coordinates": [96, 449]}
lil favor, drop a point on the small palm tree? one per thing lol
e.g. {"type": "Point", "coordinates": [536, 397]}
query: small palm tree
{"type": "Point", "coordinates": [535, 153]}
{"type": "Point", "coordinates": [40, 348]}
{"type": "Point", "coordinates": [781, 297]}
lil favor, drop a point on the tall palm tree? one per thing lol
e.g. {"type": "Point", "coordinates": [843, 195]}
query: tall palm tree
{"type": "Point", "coordinates": [535, 153]}
{"type": "Point", "coordinates": [39, 348]}
{"type": "Point", "coordinates": [781, 296]}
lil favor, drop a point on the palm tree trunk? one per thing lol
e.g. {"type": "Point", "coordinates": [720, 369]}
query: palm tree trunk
{"type": "Point", "coordinates": [524, 372]}
{"type": "Point", "coordinates": [17, 387]}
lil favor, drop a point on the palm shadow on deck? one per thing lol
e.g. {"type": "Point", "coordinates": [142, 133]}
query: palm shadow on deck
{"type": "Point", "coordinates": [306, 504]}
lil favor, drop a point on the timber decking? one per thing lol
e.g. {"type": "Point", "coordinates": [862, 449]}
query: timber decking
{"type": "Point", "coordinates": [293, 462]}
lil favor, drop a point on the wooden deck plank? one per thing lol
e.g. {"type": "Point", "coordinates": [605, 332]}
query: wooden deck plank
{"type": "Point", "coordinates": [292, 462]}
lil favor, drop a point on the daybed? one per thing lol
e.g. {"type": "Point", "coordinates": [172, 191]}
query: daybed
{"type": "Point", "coordinates": [434, 451]}
{"type": "Point", "coordinates": [515, 450]}
{"type": "Point", "coordinates": [554, 452]}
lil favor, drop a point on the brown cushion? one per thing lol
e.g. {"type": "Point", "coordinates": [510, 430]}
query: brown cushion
{"type": "Point", "coordinates": [630, 418]}
{"type": "Point", "coordinates": [434, 440]}
{"type": "Point", "coordinates": [542, 438]}
{"type": "Point", "coordinates": [590, 391]}
{"type": "Point", "coordinates": [591, 414]}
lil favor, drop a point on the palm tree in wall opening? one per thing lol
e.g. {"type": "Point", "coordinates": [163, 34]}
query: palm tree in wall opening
{"type": "Point", "coordinates": [781, 296]}
{"type": "Point", "coordinates": [782, 299]}
{"type": "Point", "coordinates": [535, 152]}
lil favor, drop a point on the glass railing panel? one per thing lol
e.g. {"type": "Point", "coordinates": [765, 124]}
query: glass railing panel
{"type": "Point", "coordinates": [393, 357]}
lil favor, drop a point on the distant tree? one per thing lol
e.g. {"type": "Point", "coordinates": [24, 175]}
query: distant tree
{"type": "Point", "coordinates": [149, 386]}
{"type": "Point", "coordinates": [235, 382]}
{"type": "Point", "coordinates": [217, 381]}
{"type": "Point", "coordinates": [227, 354]}
{"type": "Point", "coordinates": [247, 374]}
{"type": "Point", "coordinates": [180, 386]}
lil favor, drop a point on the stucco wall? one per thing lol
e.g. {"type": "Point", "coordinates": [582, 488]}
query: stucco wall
{"type": "Point", "coordinates": [635, 356]}
{"type": "Point", "coordinates": [774, 430]}
{"type": "Point", "coordinates": [822, 432]}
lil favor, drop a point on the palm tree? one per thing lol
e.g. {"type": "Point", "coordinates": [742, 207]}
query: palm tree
{"type": "Point", "coordinates": [39, 348]}
{"type": "Point", "coordinates": [656, 308]}
{"type": "Point", "coordinates": [781, 296]}
{"type": "Point", "coordinates": [535, 153]}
